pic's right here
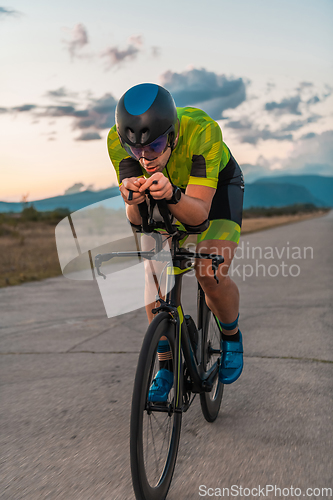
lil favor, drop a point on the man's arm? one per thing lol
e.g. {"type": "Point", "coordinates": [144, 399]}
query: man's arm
{"type": "Point", "coordinates": [193, 207]}
{"type": "Point", "coordinates": [132, 210]}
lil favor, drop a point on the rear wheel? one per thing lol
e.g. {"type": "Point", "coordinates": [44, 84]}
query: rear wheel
{"type": "Point", "coordinates": [210, 352]}
{"type": "Point", "coordinates": [155, 427]}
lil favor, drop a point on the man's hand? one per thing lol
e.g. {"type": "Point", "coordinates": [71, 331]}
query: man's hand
{"type": "Point", "coordinates": [132, 184]}
{"type": "Point", "coordinates": [161, 190]}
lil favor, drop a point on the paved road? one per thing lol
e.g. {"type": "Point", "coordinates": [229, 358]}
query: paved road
{"type": "Point", "coordinates": [67, 374]}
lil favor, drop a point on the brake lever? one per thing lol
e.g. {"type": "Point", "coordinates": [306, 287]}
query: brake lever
{"type": "Point", "coordinates": [98, 263]}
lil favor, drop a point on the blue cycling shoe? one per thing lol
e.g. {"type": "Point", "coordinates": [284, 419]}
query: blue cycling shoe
{"type": "Point", "coordinates": [161, 386]}
{"type": "Point", "coordinates": [231, 361]}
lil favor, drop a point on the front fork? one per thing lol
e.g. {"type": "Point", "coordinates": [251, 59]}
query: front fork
{"type": "Point", "coordinates": [177, 318]}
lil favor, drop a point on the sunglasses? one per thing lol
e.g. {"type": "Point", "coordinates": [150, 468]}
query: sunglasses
{"type": "Point", "coordinates": [151, 151]}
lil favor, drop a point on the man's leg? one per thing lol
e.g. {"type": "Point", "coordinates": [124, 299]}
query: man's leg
{"type": "Point", "coordinates": [223, 300]}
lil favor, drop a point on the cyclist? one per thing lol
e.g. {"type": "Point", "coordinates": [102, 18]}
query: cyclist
{"type": "Point", "coordinates": [182, 150]}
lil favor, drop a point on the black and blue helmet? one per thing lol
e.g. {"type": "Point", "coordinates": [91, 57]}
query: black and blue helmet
{"type": "Point", "coordinates": [144, 113]}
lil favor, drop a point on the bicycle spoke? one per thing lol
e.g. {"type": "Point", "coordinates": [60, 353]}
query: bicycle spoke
{"type": "Point", "coordinates": [158, 430]}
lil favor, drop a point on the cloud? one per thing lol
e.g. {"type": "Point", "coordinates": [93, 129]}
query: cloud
{"type": "Point", "coordinates": [250, 133]}
{"type": "Point", "coordinates": [312, 168]}
{"type": "Point", "coordinates": [254, 172]}
{"type": "Point", "coordinates": [19, 109]}
{"type": "Point", "coordinates": [270, 86]}
{"type": "Point", "coordinates": [206, 90]}
{"type": "Point", "coordinates": [115, 57]}
{"type": "Point", "coordinates": [79, 187]}
{"type": "Point", "coordinates": [99, 114]}
{"type": "Point", "coordinates": [24, 108]}
{"type": "Point", "coordinates": [314, 100]}
{"type": "Point", "coordinates": [58, 111]}
{"type": "Point", "coordinates": [240, 124]}
{"type": "Point", "coordinates": [136, 40]}
{"type": "Point", "coordinates": [76, 188]}
{"type": "Point", "coordinates": [304, 85]}
{"type": "Point", "coordinates": [79, 39]}
{"type": "Point", "coordinates": [155, 51]}
{"type": "Point", "coordinates": [89, 136]}
{"type": "Point", "coordinates": [296, 125]}
{"type": "Point", "coordinates": [254, 135]}
{"type": "Point", "coordinates": [8, 12]}
{"type": "Point", "coordinates": [300, 103]}
{"type": "Point", "coordinates": [310, 135]}
{"type": "Point", "coordinates": [328, 91]}
{"type": "Point", "coordinates": [312, 154]}
{"type": "Point", "coordinates": [286, 106]}
{"type": "Point", "coordinates": [60, 93]}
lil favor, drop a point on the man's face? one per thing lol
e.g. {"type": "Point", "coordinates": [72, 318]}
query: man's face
{"type": "Point", "coordinates": [157, 165]}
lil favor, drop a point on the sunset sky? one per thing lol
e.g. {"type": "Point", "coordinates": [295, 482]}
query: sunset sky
{"type": "Point", "coordinates": [262, 69]}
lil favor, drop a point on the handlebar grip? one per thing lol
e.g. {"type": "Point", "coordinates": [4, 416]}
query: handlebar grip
{"type": "Point", "coordinates": [164, 211]}
{"type": "Point", "coordinates": [143, 209]}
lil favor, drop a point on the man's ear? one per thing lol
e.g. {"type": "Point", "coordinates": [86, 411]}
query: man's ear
{"type": "Point", "coordinates": [177, 137]}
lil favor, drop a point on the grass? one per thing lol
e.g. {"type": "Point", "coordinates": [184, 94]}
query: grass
{"type": "Point", "coordinates": [27, 246]}
{"type": "Point", "coordinates": [296, 209]}
{"type": "Point", "coordinates": [27, 241]}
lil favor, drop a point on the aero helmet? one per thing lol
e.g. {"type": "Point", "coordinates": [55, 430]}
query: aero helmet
{"type": "Point", "coordinates": [146, 121]}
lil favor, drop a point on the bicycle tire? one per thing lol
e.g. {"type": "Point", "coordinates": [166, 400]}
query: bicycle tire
{"type": "Point", "coordinates": [210, 339]}
{"type": "Point", "coordinates": [150, 484]}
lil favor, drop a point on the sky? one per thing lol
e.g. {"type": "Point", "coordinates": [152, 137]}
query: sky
{"type": "Point", "coordinates": [263, 70]}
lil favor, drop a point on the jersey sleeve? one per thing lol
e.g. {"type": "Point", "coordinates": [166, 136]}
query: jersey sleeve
{"type": "Point", "coordinates": [206, 146]}
{"type": "Point", "coordinates": [124, 165]}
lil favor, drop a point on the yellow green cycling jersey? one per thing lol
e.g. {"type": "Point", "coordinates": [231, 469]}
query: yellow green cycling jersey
{"type": "Point", "coordinates": [198, 158]}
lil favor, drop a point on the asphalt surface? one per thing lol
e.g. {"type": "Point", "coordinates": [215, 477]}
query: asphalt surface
{"type": "Point", "coordinates": [67, 376]}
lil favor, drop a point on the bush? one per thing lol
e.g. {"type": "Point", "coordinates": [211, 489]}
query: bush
{"type": "Point", "coordinates": [30, 214]}
{"type": "Point", "coordinates": [52, 217]}
{"type": "Point", "coordinates": [55, 216]}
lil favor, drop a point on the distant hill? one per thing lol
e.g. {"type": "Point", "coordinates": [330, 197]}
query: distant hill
{"type": "Point", "coordinates": [71, 201]}
{"type": "Point", "coordinates": [319, 186]}
{"type": "Point", "coordinates": [271, 194]}
{"type": "Point", "coordinates": [276, 191]}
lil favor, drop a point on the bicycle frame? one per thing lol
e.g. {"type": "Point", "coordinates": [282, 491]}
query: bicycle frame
{"type": "Point", "coordinates": [181, 264]}
{"type": "Point", "coordinates": [201, 381]}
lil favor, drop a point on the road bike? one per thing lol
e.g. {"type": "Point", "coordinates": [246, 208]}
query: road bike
{"type": "Point", "coordinates": [196, 351]}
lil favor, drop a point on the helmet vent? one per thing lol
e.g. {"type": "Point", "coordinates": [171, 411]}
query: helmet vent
{"type": "Point", "coordinates": [144, 135]}
{"type": "Point", "coordinates": [130, 134]}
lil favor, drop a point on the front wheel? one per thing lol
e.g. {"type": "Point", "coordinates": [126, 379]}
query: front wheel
{"type": "Point", "coordinates": [155, 427]}
{"type": "Point", "coordinates": [210, 347]}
